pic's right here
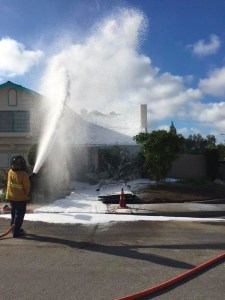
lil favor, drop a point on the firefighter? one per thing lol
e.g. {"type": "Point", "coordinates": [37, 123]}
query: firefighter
{"type": "Point", "coordinates": [17, 193]}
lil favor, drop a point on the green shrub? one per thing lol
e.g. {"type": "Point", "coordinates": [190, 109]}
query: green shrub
{"type": "Point", "coordinates": [32, 154]}
{"type": "Point", "coordinates": [3, 179]}
{"type": "Point", "coordinates": [3, 183]}
{"type": "Point", "coordinates": [118, 163]}
{"type": "Point", "coordinates": [159, 149]}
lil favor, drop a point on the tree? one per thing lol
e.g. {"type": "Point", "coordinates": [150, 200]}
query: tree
{"type": "Point", "coordinates": [221, 149]}
{"type": "Point", "coordinates": [198, 144]}
{"type": "Point", "coordinates": [160, 149]}
{"type": "Point", "coordinates": [210, 141]}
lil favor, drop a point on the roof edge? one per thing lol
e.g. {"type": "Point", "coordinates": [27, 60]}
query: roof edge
{"type": "Point", "coordinates": [19, 87]}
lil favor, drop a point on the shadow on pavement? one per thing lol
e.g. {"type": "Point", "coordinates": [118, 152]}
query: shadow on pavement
{"type": "Point", "coordinates": [125, 251]}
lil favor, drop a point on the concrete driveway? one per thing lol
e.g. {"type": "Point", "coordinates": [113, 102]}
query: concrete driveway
{"type": "Point", "coordinates": [109, 261]}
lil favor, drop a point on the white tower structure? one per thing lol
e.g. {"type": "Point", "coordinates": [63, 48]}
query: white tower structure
{"type": "Point", "coordinates": [144, 120]}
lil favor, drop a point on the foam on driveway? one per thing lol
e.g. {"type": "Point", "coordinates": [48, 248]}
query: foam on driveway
{"type": "Point", "coordinates": [82, 206]}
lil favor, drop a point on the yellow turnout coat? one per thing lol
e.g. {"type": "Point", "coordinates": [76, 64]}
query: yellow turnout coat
{"type": "Point", "coordinates": [18, 186]}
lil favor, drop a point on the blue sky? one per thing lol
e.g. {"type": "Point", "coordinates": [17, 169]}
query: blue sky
{"type": "Point", "coordinates": [166, 53]}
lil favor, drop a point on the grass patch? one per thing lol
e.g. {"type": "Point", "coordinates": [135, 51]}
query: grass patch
{"type": "Point", "coordinates": [197, 181]}
{"type": "Point", "coordinates": [182, 191]}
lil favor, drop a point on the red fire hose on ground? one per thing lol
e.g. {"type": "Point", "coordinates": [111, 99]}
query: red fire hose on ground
{"type": "Point", "coordinates": [174, 280]}
{"type": "Point", "coordinates": [7, 232]}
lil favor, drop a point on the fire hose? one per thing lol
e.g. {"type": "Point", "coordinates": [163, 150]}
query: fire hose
{"type": "Point", "coordinates": [7, 232]}
{"type": "Point", "coordinates": [174, 280]}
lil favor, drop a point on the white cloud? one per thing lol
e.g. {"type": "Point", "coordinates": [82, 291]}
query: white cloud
{"type": "Point", "coordinates": [164, 127]}
{"type": "Point", "coordinates": [174, 105]}
{"type": "Point", "coordinates": [186, 131]}
{"type": "Point", "coordinates": [15, 59]}
{"type": "Point", "coordinates": [109, 74]}
{"type": "Point", "coordinates": [209, 115]}
{"type": "Point", "coordinates": [214, 84]}
{"type": "Point", "coordinates": [202, 48]}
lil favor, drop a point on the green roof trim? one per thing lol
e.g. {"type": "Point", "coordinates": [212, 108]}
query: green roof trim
{"type": "Point", "coordinates": [18, 87]}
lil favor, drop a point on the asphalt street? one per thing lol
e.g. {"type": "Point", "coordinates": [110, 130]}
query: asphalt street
{"type": "Point", "coordinates": [109, 261]}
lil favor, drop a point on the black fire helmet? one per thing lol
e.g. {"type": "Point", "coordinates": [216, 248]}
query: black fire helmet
{"type": "Point", "coordinates": [18, 163]}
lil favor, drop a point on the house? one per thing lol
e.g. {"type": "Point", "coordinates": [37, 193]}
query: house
{"type": "Point", "coordinates": [85, 138]}
{"type": "Point", "coordinates": [19, 120]}
{"type": "Point", "coordinates": [20, 124]}
{"type": "Point", "coordinates": [83, 135]}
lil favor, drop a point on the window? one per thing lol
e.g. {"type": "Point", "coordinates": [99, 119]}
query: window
{"type": "Point", "coordinates": [4, 160]}
{"type": "Point", "coordinates": [14, 121]}
{"type": "Point", "coordinates": [12, 97]}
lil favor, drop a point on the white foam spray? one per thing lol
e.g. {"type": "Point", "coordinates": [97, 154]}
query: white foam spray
{"type": "Point", "coordinates": [106, 74]}
{"type": "Point", "coordinates": [56, 90]}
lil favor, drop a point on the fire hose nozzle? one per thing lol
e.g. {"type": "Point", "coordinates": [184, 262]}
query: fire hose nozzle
{"type": "Point", "coordinates": [32, 175]}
